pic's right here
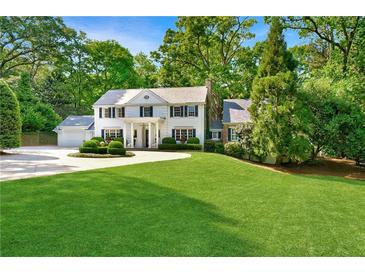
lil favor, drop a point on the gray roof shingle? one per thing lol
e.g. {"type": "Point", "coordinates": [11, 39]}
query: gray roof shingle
{"type": "Point", "coordinates": [236, 110]}
{"type": "Point", "coordinates": [72, 120]}
{"type": "Point", "coordinates": [171, 95]}
{"type": "Point", "coordinates": [216, 124]}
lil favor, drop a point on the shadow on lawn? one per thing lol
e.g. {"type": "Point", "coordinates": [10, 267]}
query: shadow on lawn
{"type": "Point", "coordinates": [113, 216]}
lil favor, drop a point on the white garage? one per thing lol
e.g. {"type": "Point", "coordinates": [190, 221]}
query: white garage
{"type": "Point", "coordinates": [74, 130]}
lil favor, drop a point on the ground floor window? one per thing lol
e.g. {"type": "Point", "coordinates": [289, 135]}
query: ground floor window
{"type": "Point", "coordinates": [232, 134]}
{"type": "Point", "coordinates": [183, 133]}
{"type": "Point", "coordinates": [216, 135]}
{"type": "Point", "coordinates": [112, 133]}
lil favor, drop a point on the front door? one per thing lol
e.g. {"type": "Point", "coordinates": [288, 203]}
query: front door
{"type": "Point", "coordinates": [146, 138]}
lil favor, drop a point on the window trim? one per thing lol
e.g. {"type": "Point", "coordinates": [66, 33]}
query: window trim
{"type": "Point", "coordinates": [116, 132]}
{"type": "Point", "coordinates": [179, 110]}
{"type": "Point", "coordinates": [189, 133]}
{"type": "Point", "coordinates": [189, 112]}
{"type": "Point", "coordinates": [233, 133]}
{"type": "Point", "coordinates": [107, 110]}
{"type": "Point", "coordinates": [150, 111]}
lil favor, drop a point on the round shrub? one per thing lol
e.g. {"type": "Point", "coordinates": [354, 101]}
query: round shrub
{"type": "Point", "coordinates": [119, 139]}
{"type": "Point", "coordinates": [88, 149]}
{"type": "Point", "coordinates": [168, 140]}
{"type": "Point", "coordinates": [115, 144]}
{"type": "Point", "coordinates": [10, 123]}
{"type": "Point", "coordinates": [116, 150]}
{"type": "Point", "coordinates": [219, 148]}
{"type": "Point", "coordinates": [193, 140]}
{"type": "Point", "coordinates": [98, 139]}
{"type": "Point", "coordinates": [233, 149]}
{"type": "Point", "coordinates": [91, 143]}
{"type": "Point", "coordinates": [209, 146]}
{"type": "Point", "coordinates": [102, 150]}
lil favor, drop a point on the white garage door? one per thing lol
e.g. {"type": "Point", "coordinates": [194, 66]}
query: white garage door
{"type": "Point", "coordinates": [71, 138]}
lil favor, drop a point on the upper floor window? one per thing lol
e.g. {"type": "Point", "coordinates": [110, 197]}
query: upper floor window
{"type": "Point", "coordinates": [191, 111]}
{"type": "Point", "coordinates": [146, 112]}
{"type": "Point", "coordinates": [120, 112]}
{"type": "Point", "coordinates": [107, 113]}
{"type": "Point", "coordinates": [177, 111]}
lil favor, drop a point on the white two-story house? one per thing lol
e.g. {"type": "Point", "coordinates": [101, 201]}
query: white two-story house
{"type": "Point", "coordinates": [143, 117]}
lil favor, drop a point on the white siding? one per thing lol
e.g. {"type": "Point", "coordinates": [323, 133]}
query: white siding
{"type": "Point", "coordinates": [72, 136]}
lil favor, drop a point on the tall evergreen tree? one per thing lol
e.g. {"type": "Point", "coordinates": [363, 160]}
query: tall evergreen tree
{"type": "Point", "coordinates": [273, 101]}
{"type": "Point", "coordinates": [10, 125]}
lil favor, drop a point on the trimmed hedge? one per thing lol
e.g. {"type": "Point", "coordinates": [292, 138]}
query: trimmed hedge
{"type": "Point", "coordinates": [98, 139]}
{"type": "Point", "coordinates": [233, 149]}
{"type": "Point", "coordinates": [193, 140]}
{"type": "Point", "coordinates": [88, 150]}
{"type": "Point", "coordinates": [91, 143]}
{"type": "Point", "coordinates": [116, 150]}
{"type": "Point", "coordinates": [180, 147]}
{"type": "Point", "coordinates": [102, 150]}
{"type": "Point", "coordinates": [219, 148]}
{"type": "Point", "coordinates": [209, 146]}
{"type": "Point", "coordinates": [118, 139]}
{"type": "Point", "coordinates": [115, 144]}
{"type": "Point", "coordinates": [168, 140]}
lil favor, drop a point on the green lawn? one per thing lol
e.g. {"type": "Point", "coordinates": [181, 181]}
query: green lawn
{"type": "Point", "coordinates": [207, 205]}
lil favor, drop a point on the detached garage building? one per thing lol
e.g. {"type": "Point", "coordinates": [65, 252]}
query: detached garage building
{"type": "Point", "coordinates": [74, 130]}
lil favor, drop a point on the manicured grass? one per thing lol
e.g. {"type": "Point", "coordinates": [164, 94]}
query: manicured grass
{"type": "Point", "coordinates": [207, 205]}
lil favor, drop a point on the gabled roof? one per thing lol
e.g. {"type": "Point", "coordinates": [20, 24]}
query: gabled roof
{"type": "Point", "coordinates": [81, 121]}
{"type": "Point", "coordinates": [179, 95]}
{"type": "Point", "coordinates": [236, 110]}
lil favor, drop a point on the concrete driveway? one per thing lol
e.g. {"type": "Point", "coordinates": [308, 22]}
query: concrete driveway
{"type": "Point", "coordinates": [28, 162]}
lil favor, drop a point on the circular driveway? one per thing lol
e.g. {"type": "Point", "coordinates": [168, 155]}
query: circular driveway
{"type": "Point", "coordinates": [28, 162]}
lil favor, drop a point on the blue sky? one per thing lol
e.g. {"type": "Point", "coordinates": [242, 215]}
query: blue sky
{"type": "Point", "coordinates": [142, 33]}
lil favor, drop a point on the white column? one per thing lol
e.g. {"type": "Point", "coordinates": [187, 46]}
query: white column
{"type": "Point", "coordinates": [157, 138]}
{"type": "Point", "coordinates": [132, 135]}
{"type": "Point", "coordinates": [125, 134]}
{"type": "Point", "coordinates": [149, 135]}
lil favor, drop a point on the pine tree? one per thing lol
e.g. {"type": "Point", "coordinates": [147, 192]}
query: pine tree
{"type": "Point", "coordinates": [273, 100]}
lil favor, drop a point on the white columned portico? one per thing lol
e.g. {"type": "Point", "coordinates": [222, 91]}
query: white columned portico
{"type": "Point", "coordinates": [125, 135]}
{"type": "Point", "coordinates": [149, 135]}
{"type": "Point", "coordinates": [132, 136]}
{"type": "Point", "coordinates": [157, 137]}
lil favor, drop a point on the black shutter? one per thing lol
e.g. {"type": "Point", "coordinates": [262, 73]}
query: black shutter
{"type": "Point", "coordinates": [186, 111]}
{"type": "Point", "coordinates": [100, 113]}
{"type": "Point", "coordinates": [210, 135]}
{"type": "Point", "coordinates": [140, 111]}
{"type": "Point", "coordinates": [196, 111]}
{"type": "Point", "coordinates": [194, 132]}
{"type": "Point", "coordinates": [113, 112]}
{"type": "Point", "coordinates": [173, 133]}
{"type": "Point", "coordinates": [123, 112]}
{"type": "Point", "coordinates": [110, 112]}
{"type": "Point", "coordinates": [219, 135]}
{"type": "Point", "coordinates": [102, 133]}
{"type": "Point", "coordinates": [121, 133]}
{"type": "Point", "coordinates": [229, 134]}
{"type": "Point", "coordinates": [151, 111]}
{"type": "Point", "coordinates": [171, 111]}
{"type": "Point", "coordinates": [181, 111]}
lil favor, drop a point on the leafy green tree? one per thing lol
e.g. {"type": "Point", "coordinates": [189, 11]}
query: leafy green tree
{"type": "Point", "coordinates": [10, 124]}
{"type": "Point", "coordinates": [338, 32]}
{"type": "Point", "coordinates": [208, 48]}
{"type": "Point", "coordinates": [35, 115]}
{"type": "Point", "coordinates": [30, 41]}
{"type": "Point", "coordinates": [146, 70]}
{"type": "Point", "coordinates": [273, 108]}
{"type": "Point", "coordinates": [111, 66]}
